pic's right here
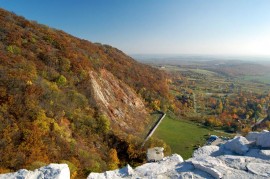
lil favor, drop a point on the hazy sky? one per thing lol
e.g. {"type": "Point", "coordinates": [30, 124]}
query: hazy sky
{"type": "Point", "coordinates": [228, 27]}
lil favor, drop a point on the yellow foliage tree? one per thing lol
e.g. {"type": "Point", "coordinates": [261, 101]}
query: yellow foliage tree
{"type": "Point", "coordinates": [113, 160]}
{"type": "Point", "coordinates": [155, 104]}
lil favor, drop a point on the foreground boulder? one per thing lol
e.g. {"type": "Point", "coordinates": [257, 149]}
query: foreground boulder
{"type": "Point", "coordinates": [52, 171]}
{"type": "Point", "coordinates": [208, 150]}
{"type": "Point", "coordinates": [238, 145]}
{"type": "Point", "coordinates": [155, 154]}
{"type": "Point", "coordinates": [236, 159]}
{"type": "Point", "coordinates": [119, 173]}
{"type": "Point", "coordinates": [253, 136]}
{"type": "Point", "coordinates": [263, 139]}
{"type": "Point", "coordinates": [147, 170]}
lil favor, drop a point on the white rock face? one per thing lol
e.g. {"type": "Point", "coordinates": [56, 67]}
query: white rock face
{"type": "Point", "coordinates": [119, 173]}
{"type": "Point", "coordinates": [52, 171]}
{"type": "Point", "coordinates": [59, 171]}
{"type": "Point", "coordinates": [252, 136]}
{"type": "Point", "coordinates": [213, 166]}
{"type": "Point", "coordinates": [233, 160]}
{"type": "Point", "coordinates": [208, 150]}
{"type": "Point", "coordinates": [263, 139]}
{"type": "Point", "coordinates": [260, 169]}
{"type": "Point", "coordinates": [155, 154]}
{"type": "Point", "coordinates": [265, 153]}
{"type": "Point", "coordinates": [238, 145]}
{"type": "Point", "coordinates": [158, 168]}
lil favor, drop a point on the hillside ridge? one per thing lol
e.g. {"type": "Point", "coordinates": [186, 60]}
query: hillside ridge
{"type": "Point", "coordinates": [67, 99]}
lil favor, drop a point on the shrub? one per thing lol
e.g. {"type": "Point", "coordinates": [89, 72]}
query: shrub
{"type": "Point", "coordinates": [13, 49]}
{"type": "Point", "coordinates": [61, 80]}
{"type": "Point", "coordinates": [103, 124]}
{"type": "Point", "coordinates": [64, 64]}
{"type": "Point", "coordinates": [35, 165]}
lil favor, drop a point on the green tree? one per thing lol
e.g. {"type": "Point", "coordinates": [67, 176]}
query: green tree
{"type": "Point", "coordinates": [103, 124]}
{"type": "Point", "coordinates": [61, 80]}
{"type": "Point", "coordinates": [13, 49]}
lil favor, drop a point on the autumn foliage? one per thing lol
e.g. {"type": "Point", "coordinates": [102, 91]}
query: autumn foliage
{"type": "Point", "coordinates": [46, 111]}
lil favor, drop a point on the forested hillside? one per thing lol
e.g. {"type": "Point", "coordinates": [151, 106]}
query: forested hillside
{"type": "Point", "coordinates": [63, 99]}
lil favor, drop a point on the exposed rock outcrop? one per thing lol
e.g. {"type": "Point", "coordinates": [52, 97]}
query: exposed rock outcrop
{"type": "Point", "coordinates": [208, 150]}
{"type": "Point", "coordinates": [118, 101]}
{"type": "Point", "coordinates": [237, 158]}
{"type": "Point", "coordinates": [238, 145]}
{"type": "Point", "coordinates": [263, 139]}
{"type": "Point", "coordinates": [52, 171]}
{"type": "Point", "coordinates": [155, 154]}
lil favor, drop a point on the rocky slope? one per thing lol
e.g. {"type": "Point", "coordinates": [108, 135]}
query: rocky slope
{"type": "Point", "coordinates": [237, 158]}
{"type": "Point", "coordinates": [118, 101]}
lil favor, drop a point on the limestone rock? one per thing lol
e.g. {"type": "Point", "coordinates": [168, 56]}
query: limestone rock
{"type": "Point", "coordinates": [155, 154]}
{"type": "Point", "coordinates": [118, 173]}
{"type": "Point", "coordinates": [252, 136]}
{"type": "Point", "coordinates": [19, 174]}
{"type": "Point", "coordinates": [161, 167]}
{"type": "Point", "coordinates": [52, 171]}
{"type": "Point", "coordinates": [208, 150]}
{"type": "Point", "coordinates": [211, 165]}
{"type": "Point", "coordinates": [260, 169]}
{"type": "Point", "coordinates": [263, 139]}
{"type": "Point", "coordinates": [236, 162]}
{"type": "Point", "coordinates": [128, 170]}
{"type": "Point", "coordinates": [265, 153]}
{"type": "Point", "coordinates": [238, 145]}
{"type": "Point", "coordinates": [59, 171]}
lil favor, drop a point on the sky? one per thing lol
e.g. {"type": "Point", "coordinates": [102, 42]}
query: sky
{"type": "Point", "coordinates": [199, 27]}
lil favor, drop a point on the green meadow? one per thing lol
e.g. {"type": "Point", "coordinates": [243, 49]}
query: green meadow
{"type": "Point", "coordinates": [260, 78]}
{"type": "Point", "coordinates": [183, 136]}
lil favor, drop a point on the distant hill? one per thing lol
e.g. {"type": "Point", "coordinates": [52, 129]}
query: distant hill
{"type": "Point", "coordinates": [229, 67]}
{"type": "Point", "coordinates": [240, 69]}
{"type": "Point", "coordinates": [67, 99]}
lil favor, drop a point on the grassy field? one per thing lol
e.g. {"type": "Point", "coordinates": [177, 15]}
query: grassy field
{"type": "Point", "coordinates": [262, 78]}
{"type": "Point", "coordinates": [182, 136]}
{"type": "Point", "coordinates": [204, 72]}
